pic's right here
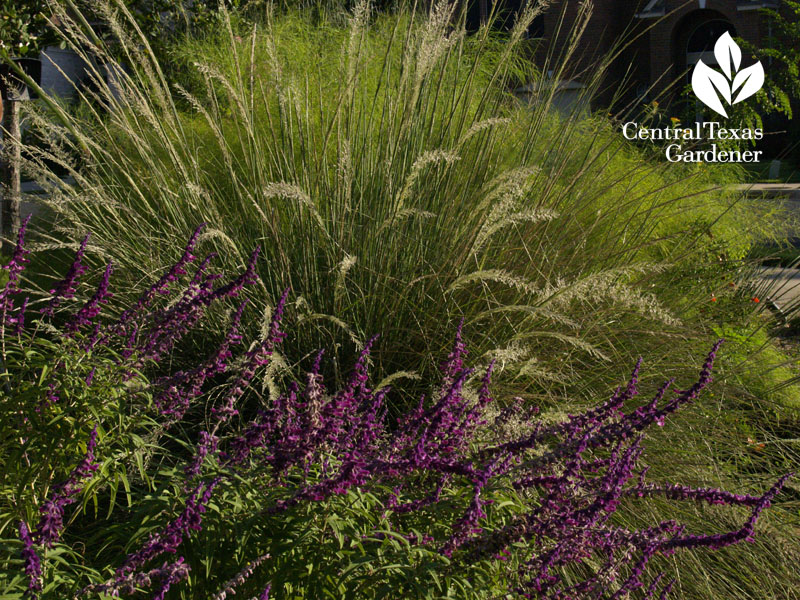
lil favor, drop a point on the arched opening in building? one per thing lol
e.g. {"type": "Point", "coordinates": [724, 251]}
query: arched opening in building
{"type": "Point", "coordinates": [694, 40]}
{"type": "Point", "coordinates": [505, 11]}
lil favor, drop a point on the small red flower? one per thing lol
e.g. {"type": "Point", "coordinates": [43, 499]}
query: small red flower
{"type": "Point", "coordinates": [756, 300]}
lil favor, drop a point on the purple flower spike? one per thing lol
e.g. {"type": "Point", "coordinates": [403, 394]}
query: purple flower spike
{"type": "Point", "coordinates": [433, 469]}
{"type": "Point", "coordinates": [91, 308]}
{"type": "Point", "coordinates": [178, 390]}
{"type": "Point", "coordinates": [455, 360]}
{"type": "Point", "coordinates": [249, 277]}
{"type": "Point", "coordinates": [161, 286]}
{"type": "Point", "coordinates": [33, 566]}
{"type": "Point", "coordinates": [242, 576]}
{"type": "Point", "coordinates": [651, 589]}
{"type": "Point", "coordinates": [66, 288]}
{"type": "Point", "coordinates": [51, 397]}
{"type": "Point", "coordinates": [170, 574]}
{"type": "Point", "coordinates": [17, 263]}
{"type": "Point", "coordinates": [257, 357]}
{"type": "Point", "coordinates": [51, 522]}
{"type": "Point", "coordinates": [208, 445]}
{"type": "Point", "coordinates": [169, 538]}
{"type": "Point", "coordinates": [167, 574]}
{"type": "Point", "coordinates": [15, 266]}
{"type": "Point", "coordinates": [18, 320]}
{"type": "Point", "coordinates": [720, 540]}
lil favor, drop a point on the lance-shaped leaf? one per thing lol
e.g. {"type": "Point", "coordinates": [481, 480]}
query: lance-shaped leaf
{"type": "Point", "coordinates": [728, 54]}
{"type": "Point", "coordinates": [750, 79]}
{"type": "Point", "coordinates": [706, 82]}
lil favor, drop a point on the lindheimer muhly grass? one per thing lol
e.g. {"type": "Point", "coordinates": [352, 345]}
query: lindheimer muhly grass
{"type": "Point", "coordinates": [393, 181]}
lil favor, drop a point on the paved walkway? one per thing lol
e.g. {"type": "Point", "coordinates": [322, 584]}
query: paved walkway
{"type": "Point", "coordinates": [29, 188]}
{"type": "Point", "coordinates": [788, 191]}
{"type": "Point", "coordinates": [780, 286]}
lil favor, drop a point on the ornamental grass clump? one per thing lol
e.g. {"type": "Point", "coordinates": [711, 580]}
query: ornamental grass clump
{"type": "Point", "coordinates": [308, 493]}
{"type": "Point", "coordinates": [396, 179]}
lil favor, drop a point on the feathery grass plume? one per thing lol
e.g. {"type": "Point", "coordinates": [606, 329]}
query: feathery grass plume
{"type": "Point", "coordinates": [498, 275]}
{"type": "Point", "coordinates": [480, 126]}
{"type": "Point", "coordinates": [504, 218]}
{"type": "Point", "coordinates": [292, 192]}
{"type": "Point", "coordinates": [511, 354]}
{"type": "Point", "coordinates": [612, 285]}
{"type": "Point", "coordinates": [348, 262]}
{"type": "Point", "coordinates": [431, 157]}
{"type": "Point", "coordinates": [358, 26]}
{"type": "Point", "coordinates": [434, 40]}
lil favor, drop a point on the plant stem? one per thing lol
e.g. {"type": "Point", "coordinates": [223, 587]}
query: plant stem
{"type": "Point", "coordinates": [11, 175]}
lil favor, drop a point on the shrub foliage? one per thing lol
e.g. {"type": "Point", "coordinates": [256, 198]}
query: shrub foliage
{"type": "Point", "coordinates": [122, 475]}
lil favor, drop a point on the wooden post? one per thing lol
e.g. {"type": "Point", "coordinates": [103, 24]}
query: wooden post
{"type": "Point", "coordinates": [12, 189]}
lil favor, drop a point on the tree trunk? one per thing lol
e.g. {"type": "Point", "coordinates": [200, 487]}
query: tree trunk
{"type": "Point", "coordinates": [12, 192]}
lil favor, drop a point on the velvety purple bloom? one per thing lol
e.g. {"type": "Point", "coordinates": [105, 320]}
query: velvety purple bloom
{"type": "Point", "coordinates": [207, 445]}
{"type": "Point", "coordinates": [52, 393]}
{"type": "Point", "coordinates": [51, 521]}
{"type": "Point", "coordinates": [433, 462]}
{"type": "Point", "coordinates": [455, 360]}
{"type": "Point", "coordinates": [170, 574]}
{"type": "Point", "coordinates": [164, 328]}
{"type": "Point", "coordinates": [586, 466]}
{"type": "Point", "coordinates": [87, 313]}
{"type": "Point", "coordinates": [178, 390]}
{"type": "Point", "coordinates": [66, 288]}
{"type": "Point", "coordinates": [15, 266]}
{"type": "Point", "coordinates": [167, 327]}
{"type": "Point", "coordinates": [166, 575]}
{"type": "Point", "coordinates": [33, 566]}
{"type": "Point", "coordinates": [651, 589]}
{"type": "Point", "coordinates": [161, 286]}
{"type": "Point", "coordinates": [238, 579]}
{"type": "Point", "coordinates": [168, 539]}
{"type": "Point", "coordinates": [249, 277]}
{"type": "Point", "coordinates": [720, 540]}
{"type": "Point", "coordinates": [18, 319]}
{"type": "Point", "coordinates": [255, 358]}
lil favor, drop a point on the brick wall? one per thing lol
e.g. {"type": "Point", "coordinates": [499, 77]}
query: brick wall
{"type": "Point", "coordinates": [667, 37]}
{"type": "Point", "coordinates": [655, 57]}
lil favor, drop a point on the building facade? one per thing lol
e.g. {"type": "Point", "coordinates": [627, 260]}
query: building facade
{"type": "Point", "coordinates": [662, 39]}
{"type": "Point", "coordinates": [665, 38]}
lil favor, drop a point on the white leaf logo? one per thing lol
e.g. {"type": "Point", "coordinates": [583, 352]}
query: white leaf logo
{"type": "Point", "coordinates": [706, 82]}
{"type": "Point", "coordinates": [711, 86]}
{"type": "Point", "coordinates": [728, 54]}
{"type": "Point", "coordinates": [751, 79]}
